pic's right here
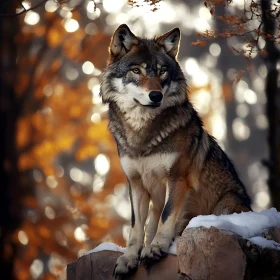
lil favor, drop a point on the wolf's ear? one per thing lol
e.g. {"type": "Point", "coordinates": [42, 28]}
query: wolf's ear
{"type": "Point", "coordinates": [122, 41]}
{"type": "Point", "coordinates": [170, 42]}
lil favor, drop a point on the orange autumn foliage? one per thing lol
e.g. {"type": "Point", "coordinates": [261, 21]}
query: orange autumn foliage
{"type": "Point", "coordinates": [56, 138]}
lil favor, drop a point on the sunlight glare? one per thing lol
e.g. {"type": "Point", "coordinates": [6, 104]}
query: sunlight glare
{"type": "Point", "coordinates": [22, 237]}
{"type": "Point", "coordinates": [201, 24]}
{"type": "Point", "coordinates": [98, 184]}
{"type": "Point", "coordinates": [122, 207]}
{"type": "Point", "coordinates": [49, 212]}
{"type": "Point", "coordinates": [36, 268]}
{"type": "Point", "coordinates": [80, 176]}
{"type": "Point", "coordinates": [240, 130]}
{"type": "Point", "coordinates": [93, 14]}
{"type": "Point", "coordinates": [215, 49]}
{"type": "Point", "coordinates": [200, 80]}
{"type": "Point", "coordinates": [218, 126]}
{"type": "Point", "coordinates": [122, 18]}
{"type": "Point", "coordinates": [191, 66]}
{"type": "Point", "coordinates": [80, 234]}
{"type": "Point", "coordinates": [95, 118]}
{"type": "Point", "coordinates": [120, 189]}
{"type": "Point", "coordinates": [26, 4]}
{"type": "Point", "coordinates": [96, 99]}
{"type": "Point", "coordinates": [65, 12]}
{"type": "Point", "coordinates": [209, 61]}
{"type": "Point", "coordinates": [76, 174]}
{"type": "Point", "coordinates": [160, 14]}
{"type": "Point", "coordinates": [102, 164]}
{"type": "Point", "coordinates": [93, 82]}
{"type": "Point", "coordinates": [31, 18]}
{"type": "Point", "coordinates": [91, 7]}
{"type": "Point", "coordinates": [204, 13]}
{"type": "Point", "coordinates": [71, 25]}
{"type": "Point", "coordinates": [261, 42]}
{"type": "Point", "coordinates": [51, 182]}
{"type": "Point", "coordinates": [51, 6]}
{"type": "Point", "coordinates": [201, 100]}
{"type": "Point", "coordinates": [239, 91]}
{"type": "Point", "coordinates": [238, 3]}
{"type": "Point", "coordinates": [57, 266]}
{"type": "Point", "coordinates": [250, 96]}
{"type": "Point", "coordinates": [88, 67]}
{"type": "Point", "coordinates": [113, 6]}
{"type": "Point", "coordinates": [97, 72]}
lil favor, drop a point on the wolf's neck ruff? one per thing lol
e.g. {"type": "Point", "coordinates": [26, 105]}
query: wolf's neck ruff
{"type": "Point", "coordinates": [153, 132]}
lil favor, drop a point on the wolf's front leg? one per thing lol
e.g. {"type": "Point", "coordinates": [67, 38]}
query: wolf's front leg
{"type": "Point", "coordinates": [139, 198]}
{"type": "Point", "coordinates": [175, 197]}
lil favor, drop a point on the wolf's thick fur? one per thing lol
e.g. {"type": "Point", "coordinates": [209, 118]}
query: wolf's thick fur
{"type": "Point", "coordinates": [173, 166]}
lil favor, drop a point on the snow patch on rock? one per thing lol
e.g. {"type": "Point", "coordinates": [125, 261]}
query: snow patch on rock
{"type": "Point", "coordinates": [250, 225]}
{"type": "Point", "coordinates": [107, 246]}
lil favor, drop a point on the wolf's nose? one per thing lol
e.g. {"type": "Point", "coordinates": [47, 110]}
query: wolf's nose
{"type": "Point", "coordinates": [155, 96]}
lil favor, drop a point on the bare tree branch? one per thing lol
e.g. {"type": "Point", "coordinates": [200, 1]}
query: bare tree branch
{"type": "Point", "coordinates": [31, 8]}
{"type": "Point", "coordinates": [24, 10]}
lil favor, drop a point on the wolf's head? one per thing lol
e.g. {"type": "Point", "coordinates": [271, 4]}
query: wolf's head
{"type": "Point", "coordinates": [143, 74]}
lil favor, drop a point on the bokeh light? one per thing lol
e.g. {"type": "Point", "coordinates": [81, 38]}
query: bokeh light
{"type": "Point", "coordinates": [71, 25]}
{"type": "Point", "coordinates": [88, 67]}
{"type": "Point", "coordinates": [22, 237]}
{"type": "Point", "coordinates": [31, 18]}
{"type": "Point", "coordinates": [51, 6]}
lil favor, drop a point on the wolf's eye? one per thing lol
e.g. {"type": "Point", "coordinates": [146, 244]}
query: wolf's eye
{"type": "Point", "coordinates": [136, 70]}
{"type": "Point", "coordinates": [162, 71]}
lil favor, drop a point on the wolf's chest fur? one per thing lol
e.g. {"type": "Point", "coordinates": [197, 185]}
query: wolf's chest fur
{"type": "Point", "coordinates": [153, 169]}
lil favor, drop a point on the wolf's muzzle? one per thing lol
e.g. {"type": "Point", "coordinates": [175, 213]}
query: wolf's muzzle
{"type": "Point", "coordinates": [155, 96]}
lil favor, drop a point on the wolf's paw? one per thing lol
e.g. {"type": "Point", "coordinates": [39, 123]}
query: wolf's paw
{"type": "Point", "coordinates": [152, 253]}
{"type": "Point", "coordinates": [125, 265]}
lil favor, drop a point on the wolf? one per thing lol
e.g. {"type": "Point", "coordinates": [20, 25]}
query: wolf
{"type": "Point", "coordinates": [174, 168]}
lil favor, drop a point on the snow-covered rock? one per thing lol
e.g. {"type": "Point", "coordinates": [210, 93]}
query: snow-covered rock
{"type": "Point", "coordinates": [209, 253]}
{"type": "Point", "coordinates": [241, 246]}
{"type": "Point", "coordinates": [249, 225]}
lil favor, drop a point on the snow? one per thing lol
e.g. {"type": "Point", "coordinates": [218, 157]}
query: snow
{"type": "Point", "coordinates": [250, 225]}
{"type": "Point", "coordinates": [173, 247]}
{"type": "Point", "coordinates": [264, 243]}
{"type": "Point", "coordinates": [107, 246]}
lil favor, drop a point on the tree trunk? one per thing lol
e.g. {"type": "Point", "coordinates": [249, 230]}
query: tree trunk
{"type": "Point", "coordinates": [272, 107]}
{"type": "Point", "coordinates": [9, 174]}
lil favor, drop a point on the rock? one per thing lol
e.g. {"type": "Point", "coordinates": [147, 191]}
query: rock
{"type": "Point", "coordinates": [212, 254]}
{"type": "Point", "coordinates": [100, 266]}
{"type": "Point", "coordinates": [203, 254]}
{"type": "Point", "coordinates": [272, 234]}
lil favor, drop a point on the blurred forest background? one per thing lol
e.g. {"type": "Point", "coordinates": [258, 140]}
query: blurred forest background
{"type": "Point", "coordinates": [62, 188]}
